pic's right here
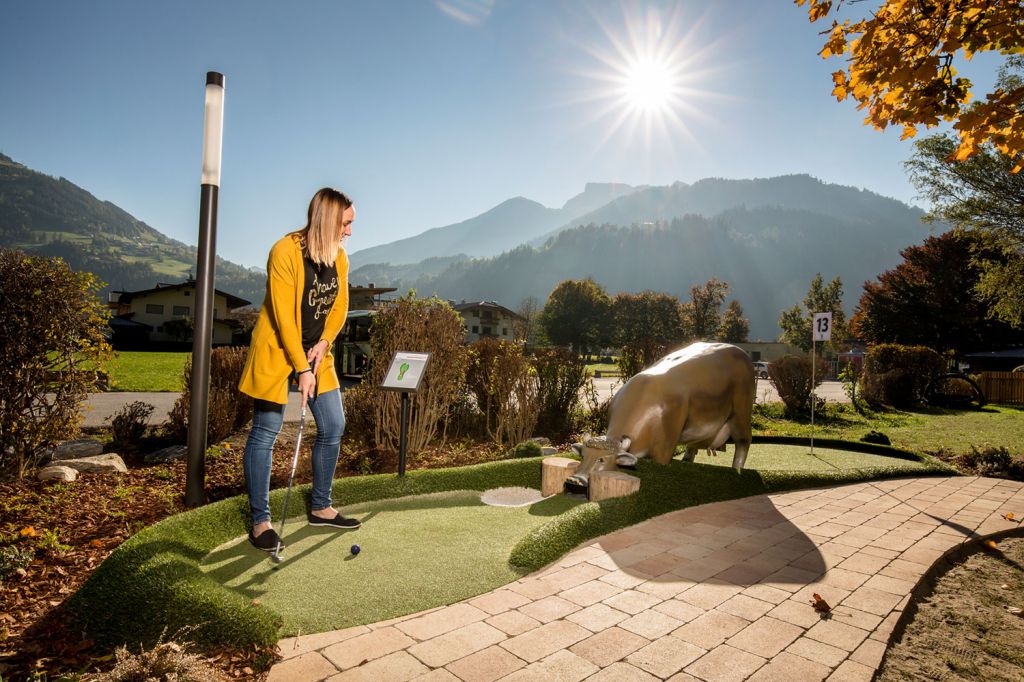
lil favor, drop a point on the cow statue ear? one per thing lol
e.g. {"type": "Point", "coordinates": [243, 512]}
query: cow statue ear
{"type": "Point", "coordinates": [624, 443]}
{"type": "Point", "coordinates": [577, 448]}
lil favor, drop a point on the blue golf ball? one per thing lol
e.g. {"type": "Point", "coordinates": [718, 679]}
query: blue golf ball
{"type": "Point", "coordinates": [355, 549]}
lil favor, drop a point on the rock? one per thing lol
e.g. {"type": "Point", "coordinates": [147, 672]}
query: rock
{"type": "Point", "coordinates": [548, 450]}
{"type": "Point", "coordinates": [168, 454]}
{"type": "Point", "coordinates": [101, 464]}
{"type": "Point", "coordinates": [57, 473]}
{"type": "Point", "coordinates": [540, 440]}
{"type": "Point", "coordinates": [71, 449]}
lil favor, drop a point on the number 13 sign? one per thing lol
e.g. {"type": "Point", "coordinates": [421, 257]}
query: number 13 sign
{"type": "Point", "coordinates": [822, 326]}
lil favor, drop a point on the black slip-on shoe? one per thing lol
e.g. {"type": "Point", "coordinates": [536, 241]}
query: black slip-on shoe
{"type": "Point", "coordinates": [340, 522]}
{"type": "Point", "coordinates": [267, 540]}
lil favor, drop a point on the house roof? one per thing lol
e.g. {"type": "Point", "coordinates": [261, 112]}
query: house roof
{"type": "Point", "coordinates": [125, 321]}
{"type": "Point", "coordinates": [370, 288]}
{"type": "Point", "coordinates": [232, 300]}
{"type": "Point", "coordinates": [491, 305]}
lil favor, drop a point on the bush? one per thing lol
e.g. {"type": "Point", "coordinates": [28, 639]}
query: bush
{"type": "Point", "coordinates": [128, 425]}
{"type": "Point", "coordinates": [876, 437]}
{"type": "Point", "coordinates": [527, 449]}
{"type": "Point", "coordinates": [561, 374]}
{"type": "Point", "coordinates": [228, 409]}
{"type": "Point", "coordinates": [13, 559]}
{"type": "Point", "coordinates": [992, 461]}
{"type": "Point", "coordinates": [165, 661]}
{"type": "Point", "coordinates": [422, 326]}
{"type": "Point", "coordinates": [359, 403]}
{"type": "Point", "coordinates": [899, 375]}
{"type": "Point", "coordinates": [791, 376]}
{"type": "Point", "coordinates": [52, 345]}
{"type": "Point", "coordinates": [482, 355]}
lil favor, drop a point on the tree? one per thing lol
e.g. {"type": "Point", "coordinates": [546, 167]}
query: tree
{"type": "Point", "coordinates": [901, 67]}
{"type": "Point", "coordinates": [576, 315]}
{"type": "Point", "coordinates": [703, 318]}
{"type": "Point", "coordinates": [52, 343]}
{"type": "Point", "coordinates": [646, 326]}
{"type": "Point", "coordinates": [735, 328]}
{"type": "Point", "coordinates": [983, 195]}
{"type": "Point", "coordinates": [923, 301]}
{"type": "Point", "coordinates": [796, 321]}
{"type": "Point", "coordinates": [528, 328]}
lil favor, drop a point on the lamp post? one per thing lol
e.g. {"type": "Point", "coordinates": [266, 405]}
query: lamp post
{"type": "Point", "coordinates": [202, 333]}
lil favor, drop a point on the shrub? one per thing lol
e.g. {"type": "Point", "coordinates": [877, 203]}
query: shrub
{"type": "Point", "coordinates": [527, 449]}
{"type": "Point", "coordinates": [512, 388]}
{"type": "Point", "coordinates": [52, 344]}
{"type": "Point", "coordinates": [561, 374]}
{"type": "Point", "coordinates": [228, 408]}
{"type": "Point", "coordinates": [128, 425]}
{"type": "Point", "coordinates": [165, 661]}
{"type": "Point", "coordinates": [422, 326]}
{"type": "Point", "coordinates": [359, 405]}
{"type": "Point", "coordinates": [482, 355]}
{"type": "Point", "coordinates": [993, 461]}
{"type": "Point", "coordinates": [899, 375]}
{"type": "Point", "coordinates": [791, 376]}
{"type": "Point", "coordinates": [13, 559]}
{"type": "Point", "coordinates": [876, 437]}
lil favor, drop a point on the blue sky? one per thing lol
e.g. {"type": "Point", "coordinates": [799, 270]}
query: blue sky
{"type": "Point", "coordinates": [426, 112]}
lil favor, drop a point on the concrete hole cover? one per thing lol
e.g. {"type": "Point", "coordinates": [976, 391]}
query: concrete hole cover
{"type": "Point", "coordinates": [510, 497]}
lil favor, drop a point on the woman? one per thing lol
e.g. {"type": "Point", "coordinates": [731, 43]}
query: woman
{"type": "Point", "coordinates": [303, 311]}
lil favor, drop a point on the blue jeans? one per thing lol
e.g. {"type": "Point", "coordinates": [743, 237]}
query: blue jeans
{"type": "Point", "coordinates": [266, 424]}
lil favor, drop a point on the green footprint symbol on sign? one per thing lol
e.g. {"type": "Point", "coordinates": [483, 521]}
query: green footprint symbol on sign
{"type": "Point", "coordinates": [402, 370]}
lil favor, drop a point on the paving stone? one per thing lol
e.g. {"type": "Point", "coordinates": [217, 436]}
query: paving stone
{"type": "Point", "coordinates": [679, 610]}
{"type": "Point", "coordinates": [838, 634]}
{"type": "Point", "coordinates": [608, 646]}
{"type": "Point", "coordinates": [439, 675]}
{"type": "Point", "coordinates": [665, 656]}
{"type": "Point", "coordinates": [772, 595]}
{"type": "Point", "coordinates": [399, 667]}
{"type": "Point", "coordinates": [366, 647]}
{"type": "Point", "coordinates": [513, 623]}
{"type": "Point", "coordinates": [498, 601]}
{"type": "Point", "coordinates": [549, 609]}
{"type": "Point", "coordinates": [486, 665]}
{"type": "Point", "coordinates": [711, 629]}
{"type": "Point", "coordinates": [855, 617]}
{"type": "Point", "coordinates": [622, 579]}
{"type": "Point", "coordinates": [563, 666]}
{"type": "Point", "coordinates": [851, 671]}
{"type": "Point", "coordinates": [651, 624]}
{"type": "Point", "coordinates": [662, 588]}
{"type": "Point", "coordinates": [765, 637]}
{"type": "Point", "coordinates": [309, 666]}
{"type": "Point", "coordinates": [622, 672]}
{"type": "Point", "coordinates": [872, 601]}
{"type": "Point", "coordinates": [443, 649]}
{"type": "Point", "coordinates": [589, 593]}
{"type": "Point", "coordinates": [869, 653]}
{"type": "Point", "coordinates": [710, 594]}
{"type": "Point", "coordinates": [725, 664]}
{"type": "Point", "coordinates": [813, 650]}
{"type": "Point", "coordinates": [290, 647]}
{"type": "Point", "coordinates": [789, 668]}
{"type": "Point", "coordinates": [632, 602]}
{"type": "Point", "coordinates": [885, 583]}
{"type": "Point", "coordinates": [745, 607]}
{"type": "Point", "coordinates": [597, 617]}
{"type": "Point", "coordinates": [536, 644]}
{"type": "Point", "coordinates": [441, 621]}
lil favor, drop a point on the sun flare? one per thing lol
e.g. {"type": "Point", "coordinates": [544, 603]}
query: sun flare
{"type": "Point", "coordinates": [649, 86]}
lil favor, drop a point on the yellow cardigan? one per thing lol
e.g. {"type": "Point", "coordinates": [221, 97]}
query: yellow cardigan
{"type": "Point", "coordinates": [276, 347]}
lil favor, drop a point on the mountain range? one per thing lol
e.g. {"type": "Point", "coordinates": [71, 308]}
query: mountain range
{"type": "Point", "coordinates": [765, 237]}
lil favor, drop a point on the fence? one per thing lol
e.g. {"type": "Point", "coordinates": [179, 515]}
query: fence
{"type": "Point", "coordinates": [1002, 387]}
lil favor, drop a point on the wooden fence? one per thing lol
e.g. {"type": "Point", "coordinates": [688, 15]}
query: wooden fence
{"type": "Point", "coordinates": [1002, 387]}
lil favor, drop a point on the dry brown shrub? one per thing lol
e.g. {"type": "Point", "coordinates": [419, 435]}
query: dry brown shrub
{"type": "Point", "coordinates": [513, 387]}
{"type": "Point", "coordinates": [228, 410]}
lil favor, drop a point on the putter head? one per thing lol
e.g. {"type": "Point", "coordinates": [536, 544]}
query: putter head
{"type": "Point", "coordinates": [275, 556]}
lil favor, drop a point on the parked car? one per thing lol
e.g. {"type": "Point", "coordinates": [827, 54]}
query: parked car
{"type": "Point", "coordinates": [761, 370]}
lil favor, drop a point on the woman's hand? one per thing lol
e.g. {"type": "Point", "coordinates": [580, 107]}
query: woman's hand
{"type": "Point", "coordinates": [307, 386]}
{"type": "Point", "coordinates": [316, 354]}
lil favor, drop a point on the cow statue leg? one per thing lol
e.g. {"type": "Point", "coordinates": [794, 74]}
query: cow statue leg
{"type": "Point", "coordinates": [691, 453]}
{"type": "Point", "coordinates": [743, 407]}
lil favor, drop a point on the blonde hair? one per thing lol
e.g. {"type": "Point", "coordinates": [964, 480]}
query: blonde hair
{"type": "Point", "coordinates": [321, 237]}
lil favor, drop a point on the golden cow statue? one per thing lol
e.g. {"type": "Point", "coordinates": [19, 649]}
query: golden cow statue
{"type": "Point", "coordinates": [701, 396]}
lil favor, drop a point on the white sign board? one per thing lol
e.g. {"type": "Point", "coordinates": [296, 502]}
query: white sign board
{"type": "Point", "coordinates": [822, 329]}
{"type": "Point", "coordinates": [406, 372]}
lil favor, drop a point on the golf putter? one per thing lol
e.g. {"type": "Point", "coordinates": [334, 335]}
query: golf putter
{"type": "Point", "coordinates": [276, 554]}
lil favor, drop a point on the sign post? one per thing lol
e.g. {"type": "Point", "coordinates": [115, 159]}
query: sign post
{"type": "Point", "coordinates": [820, 331]}
{"type": "Point", "coordinates": [404, 375]}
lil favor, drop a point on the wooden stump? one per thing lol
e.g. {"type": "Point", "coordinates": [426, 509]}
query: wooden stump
{"type": "Point", "coordinates": [605, 484]}
{"type": "Point", "coordinates": [554, 471]}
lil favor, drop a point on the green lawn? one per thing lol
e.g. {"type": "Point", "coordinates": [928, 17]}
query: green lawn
{"type": "Point", "coordinates": [928, 430]}
{"type": "Point", "coordinates": [142, 371]}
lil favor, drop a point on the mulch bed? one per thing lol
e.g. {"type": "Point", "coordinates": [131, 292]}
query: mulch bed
{"type": "Point", "coordinates": [72, 527]}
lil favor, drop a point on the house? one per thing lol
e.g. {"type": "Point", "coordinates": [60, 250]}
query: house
{"type": "Point", "coordinates": [994, 361]}
{"type": "Point", "coordinates": [367, 297]}
{"type": "Point", "coordinates": [487, 319]}
{"type": "Point", "coordinates": [163, 315]}
{"type": "Point", "coordinates": [768, 351]}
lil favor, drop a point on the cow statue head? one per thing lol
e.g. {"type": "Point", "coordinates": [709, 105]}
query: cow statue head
{"type": "Point", "coordinates": [600, 454]}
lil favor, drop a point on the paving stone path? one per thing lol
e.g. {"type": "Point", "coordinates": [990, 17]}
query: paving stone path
{"type": "Point", "coordinates": [720, 592]}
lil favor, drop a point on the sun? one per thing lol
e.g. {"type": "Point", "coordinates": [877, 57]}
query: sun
{"type": "Point", "coordinates": [649, 86]}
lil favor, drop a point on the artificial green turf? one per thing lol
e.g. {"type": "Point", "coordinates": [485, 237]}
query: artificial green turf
{"type": "Point", "coordinates": [154, 581]}
{"type": "Point", "coordinates": [778, 457]}
{"type": "Point", "coordinates": [417, 553]}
